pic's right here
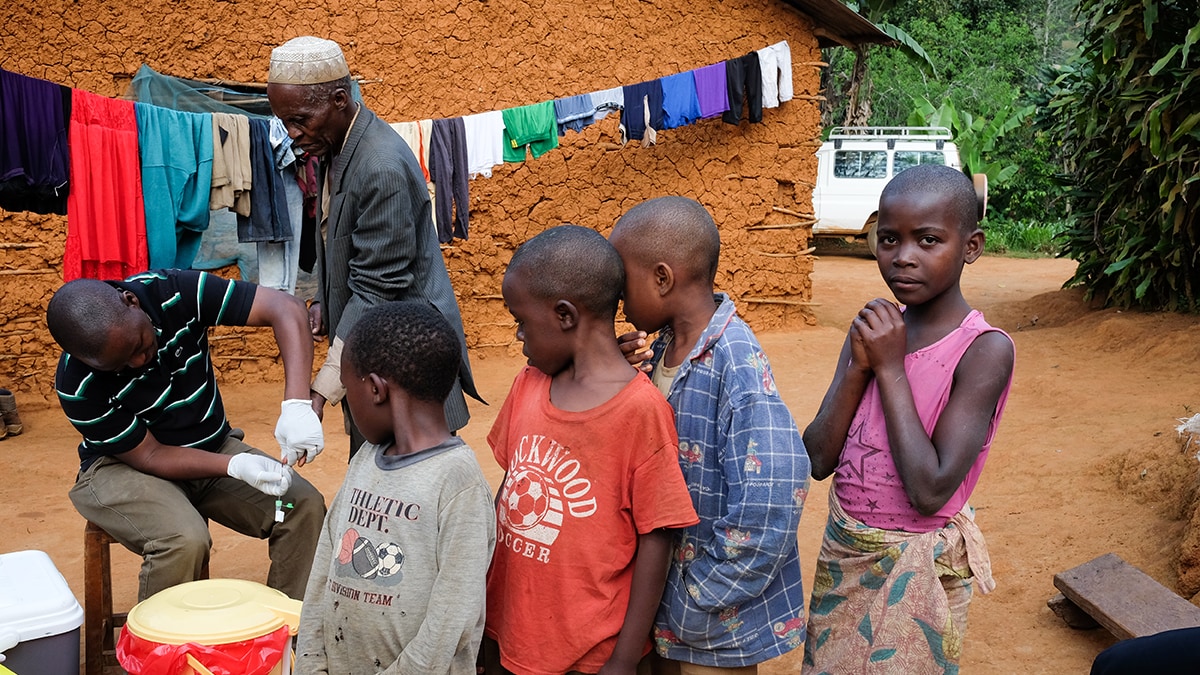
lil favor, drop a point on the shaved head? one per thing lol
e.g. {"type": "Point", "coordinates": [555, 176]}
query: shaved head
{"type": "Point", "coordinates": [572, 263]}
{"type": "Point", "coordinates": [675, 230]}
{"type": "Point", "coordinates": [951, 185]}
{"type": "Point", "coordinates": [82, 314]}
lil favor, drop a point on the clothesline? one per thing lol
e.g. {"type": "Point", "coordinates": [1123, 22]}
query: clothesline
{"type": "Point", "coordinates": [144, 178]}
{"type": "Point", "coordinates": [712, 83]}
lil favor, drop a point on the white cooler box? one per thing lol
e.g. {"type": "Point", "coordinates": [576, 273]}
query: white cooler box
{"type": "Point", "coordinates": [39, 616]}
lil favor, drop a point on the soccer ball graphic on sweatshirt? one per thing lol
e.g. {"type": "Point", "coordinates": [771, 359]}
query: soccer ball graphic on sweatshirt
{"type": "Point", "coordinates": [391, 558]}
{"type": "Point", "coordinates": [527, 500]}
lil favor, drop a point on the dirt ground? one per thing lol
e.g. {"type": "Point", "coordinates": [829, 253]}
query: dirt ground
{"type": "Point", "coordinates": [1074, 472]}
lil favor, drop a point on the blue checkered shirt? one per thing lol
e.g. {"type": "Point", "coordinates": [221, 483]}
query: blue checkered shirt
{"type": "Point", "coordinates": [734, 595]}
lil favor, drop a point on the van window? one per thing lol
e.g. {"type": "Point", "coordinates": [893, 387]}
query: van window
{"type": "Point", "coordinates": [860, 164]}
{"type": "Point", "coordinates": [906, 159]}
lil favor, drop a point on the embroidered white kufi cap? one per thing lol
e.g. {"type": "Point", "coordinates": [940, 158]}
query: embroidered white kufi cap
{"type": "Point", "coordinates": [307, 60]}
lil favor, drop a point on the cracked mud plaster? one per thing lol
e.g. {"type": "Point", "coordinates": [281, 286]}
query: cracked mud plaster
{"type": "Point", "coordinates": [444, 59]}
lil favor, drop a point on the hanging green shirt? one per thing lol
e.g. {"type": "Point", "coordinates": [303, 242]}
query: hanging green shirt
{"type": "Point", "coordinates": [532, 126]}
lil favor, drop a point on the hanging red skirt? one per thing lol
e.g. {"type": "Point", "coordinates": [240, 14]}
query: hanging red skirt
{"type": "Point", "coordinates": [106, 221]}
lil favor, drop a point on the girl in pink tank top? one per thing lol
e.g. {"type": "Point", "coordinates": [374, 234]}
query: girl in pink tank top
{"type": "Point", "coordinates": [905, 429]}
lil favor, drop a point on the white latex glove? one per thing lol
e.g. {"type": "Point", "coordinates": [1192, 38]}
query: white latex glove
{"type": "Point", "coordinates": [299, 431]}
{"type": "Point", "coordinates": [262, 473]}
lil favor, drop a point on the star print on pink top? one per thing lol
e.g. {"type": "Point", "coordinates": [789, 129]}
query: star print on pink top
{"type": "Point", "coordinates": [866, 480]}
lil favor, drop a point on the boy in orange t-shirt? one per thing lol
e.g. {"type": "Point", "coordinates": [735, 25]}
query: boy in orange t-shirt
{"type": "Point", "coordinates": [592, 479]}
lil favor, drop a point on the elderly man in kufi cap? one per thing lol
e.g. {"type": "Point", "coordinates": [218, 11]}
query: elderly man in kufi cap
{"type": "Point", "coordinates": [374, 241]}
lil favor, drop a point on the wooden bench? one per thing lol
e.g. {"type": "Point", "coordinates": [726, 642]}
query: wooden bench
{"type": "Point", "coordinates": [1120, 597]}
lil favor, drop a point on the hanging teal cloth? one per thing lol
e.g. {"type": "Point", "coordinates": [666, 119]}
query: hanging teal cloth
{"type": "Point", "coordinates": [176, 150]}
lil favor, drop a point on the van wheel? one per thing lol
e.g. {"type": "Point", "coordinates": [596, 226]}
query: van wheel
{"type": "Point", "coordinates": [981, 192]}
{"type": "Point", "coordinates": [872, 236]}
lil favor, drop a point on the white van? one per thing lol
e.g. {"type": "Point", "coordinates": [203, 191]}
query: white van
{"type": "Point", "coordinates": [855, 163]}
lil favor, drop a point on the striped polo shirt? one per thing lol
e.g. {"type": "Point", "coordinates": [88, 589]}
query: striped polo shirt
{"type": "Point", "coordinates": [174, 396]}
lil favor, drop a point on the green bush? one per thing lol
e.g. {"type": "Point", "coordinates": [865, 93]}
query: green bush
{"type": "Point", "coordinates": [1023, 237]}
{"type": "Point", "coordinates": [1128, 115]}
{"type": "Point", "coordinates": [1033, 193]}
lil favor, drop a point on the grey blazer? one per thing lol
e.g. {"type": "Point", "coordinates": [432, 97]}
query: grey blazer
{"type": "Point", "coordinates": [380, 243]}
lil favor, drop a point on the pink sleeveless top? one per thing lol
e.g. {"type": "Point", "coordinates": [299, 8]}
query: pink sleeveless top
{"type": "Point", "coordinates": [867, 482]}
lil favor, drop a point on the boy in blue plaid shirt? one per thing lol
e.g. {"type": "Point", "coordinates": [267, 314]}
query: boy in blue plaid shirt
{"type": "Point", "coordinates": [734, 596]}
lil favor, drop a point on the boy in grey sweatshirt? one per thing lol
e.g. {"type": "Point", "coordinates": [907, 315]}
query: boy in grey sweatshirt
{"type": "Point", "coordinates": [397, 585]}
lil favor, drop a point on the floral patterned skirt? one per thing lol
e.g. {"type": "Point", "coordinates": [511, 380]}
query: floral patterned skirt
{"type": "Point", "coordinates": [887, 601]}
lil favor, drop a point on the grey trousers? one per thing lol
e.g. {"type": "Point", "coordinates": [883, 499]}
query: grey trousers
{"type": "Point", "coordinates": [166, 522]}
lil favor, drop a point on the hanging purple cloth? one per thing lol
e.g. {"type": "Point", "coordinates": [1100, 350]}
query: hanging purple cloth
{"type": "Point", "coordinates": [34, 160]}
{"type": "Point", "coordinates": [711, 90]}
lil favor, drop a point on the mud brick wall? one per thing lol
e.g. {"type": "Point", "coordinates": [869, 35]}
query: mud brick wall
{"type": "Point", "coordinates": [444, 59]}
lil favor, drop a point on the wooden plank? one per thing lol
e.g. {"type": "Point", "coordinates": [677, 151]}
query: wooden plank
{"type": "Point", "coordinates": [1124, 599]}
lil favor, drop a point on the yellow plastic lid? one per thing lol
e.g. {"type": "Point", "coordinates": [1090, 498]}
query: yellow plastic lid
{"type": "Point", "coordinates": [212, 612]}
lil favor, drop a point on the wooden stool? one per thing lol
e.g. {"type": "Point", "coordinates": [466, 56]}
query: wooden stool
{"type": "Point", "coordinates": [99, 621]}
